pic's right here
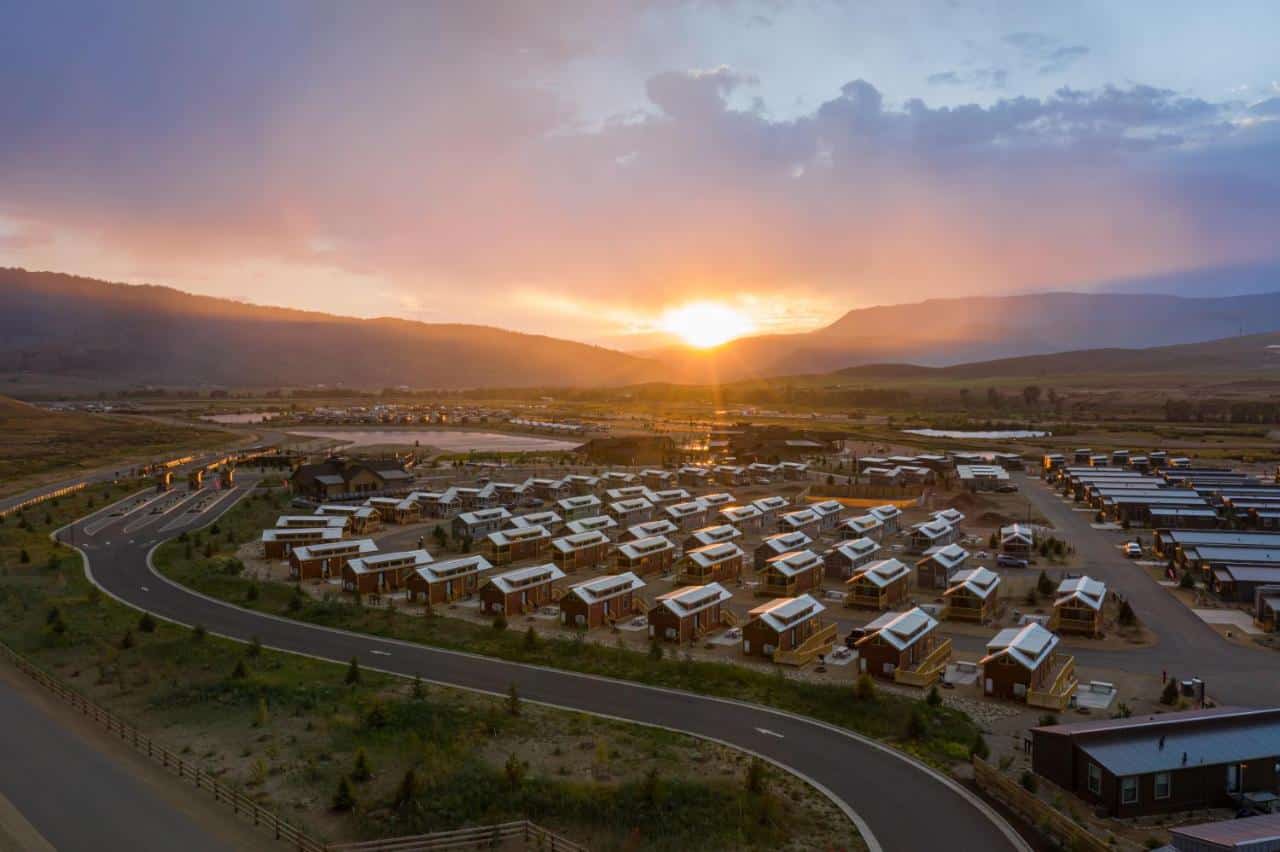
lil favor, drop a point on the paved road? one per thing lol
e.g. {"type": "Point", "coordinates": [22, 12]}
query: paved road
{"type": "Point", "coordinates": [78, 797]}
{"type": "Point", "coordinates": [876, 783]}
{"type": "Point", "coordinates": [1186, 646]}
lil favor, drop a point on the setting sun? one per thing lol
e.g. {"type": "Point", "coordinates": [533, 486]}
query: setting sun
{"type": "Point", "coordinates": [706, 324]}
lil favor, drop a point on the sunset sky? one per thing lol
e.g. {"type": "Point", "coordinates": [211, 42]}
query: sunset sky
{"type": "Point", "coordinates": [588, 170]}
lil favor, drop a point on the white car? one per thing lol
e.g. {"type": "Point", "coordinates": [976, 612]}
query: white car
{"type": "Point", "coordinates": [1133, 550]}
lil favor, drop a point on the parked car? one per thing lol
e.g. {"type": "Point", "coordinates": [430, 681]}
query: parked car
{"type": "Point", "coordinates": [1006, 489]}
{"type": "Point", "coordinates": [1004, 560]}
{"type": "Point", "coordinates": [1132, 550]}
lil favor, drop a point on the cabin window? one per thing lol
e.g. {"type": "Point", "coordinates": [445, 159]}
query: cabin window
{"type": "Point", "coordinates": [1095, 779]}
{"type": "Point", "coordinates": [1233, 778]}
{"type": "Point", "coordinates": [1129, 790]}
{"type": "Point", "coordinates": [1162, 786]}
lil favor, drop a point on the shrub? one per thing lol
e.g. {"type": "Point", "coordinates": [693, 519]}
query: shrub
{"type": "Point", "coordinates": [513, 700]}
{"type": "Point", "coordinates": [979, 747]}
{"type": "Point", "coordinates": [1029, 781]}
{"type": "Point", "coordinates": [917, 726]}
{"type": "Point", "coordinates": [1044, 585]}
{"type": "Point", "coordinates": [864, 689]}
{"type": "Point", "coordinates": [240, 672]}
{"type": "Point", "coordinates": [126, 641]}
{"type": "Point", "coordinates": [1048, 720]}
{"type": "Point", "coordinates": [344, 799]}
{"type": "Point", "coordinates": [1187, 581]}
{"type": "Point", "coordinates": [934, 698]}
{"type": "Point", "coordinates": [255, 648]}
{"type": "Point", "coordinates": [361, 772]}
{"type": "Point", "coordinates": [754, 781]}
{"type": "Point", "coordinates": [198, 633]}
{"type": "Point", "coordinates": [530, 639]}
{"type": "Point", "coordinates": [147, 624]}
{"type": "Point", "coordinates": [655, 651]}
{"type": "Point", "coordinates": [251, 593]}
{"type": "Point", "coordinates": [1169, 695]}
{"type": "Point", "coordinates": [24, 557]}
{"type": "Point", "coordinates": [353, 673]}
{"type": "Point", "coordinates": [500, 623]}
{"type": "Point", "coordinates": [407, 790]}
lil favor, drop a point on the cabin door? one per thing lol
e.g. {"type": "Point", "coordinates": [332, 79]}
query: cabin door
{"type": "Point", "coordinates": [989, 686]}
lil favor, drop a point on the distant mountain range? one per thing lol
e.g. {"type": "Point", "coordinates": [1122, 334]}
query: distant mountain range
{"type": "Point", "coordinates": [941, 332]}
{"type": "Point", "coordinates": [120, 335]}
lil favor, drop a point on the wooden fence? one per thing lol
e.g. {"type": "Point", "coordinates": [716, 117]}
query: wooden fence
{"type": "Point", "coordinates": [533, 836]}
{"type": "Point", "coordinates": [48, 495]}
{"type": "Point", "coordinates": [1035, 811]}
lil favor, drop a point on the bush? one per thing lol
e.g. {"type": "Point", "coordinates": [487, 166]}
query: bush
{"type": "Point", "coordinates": [361, 772]}
{"type": "Point", "coordinates": [255, 648]}
{"type": "Point", "coordinates": [147, 624]}
{"type": "Point", "coordinates": [1044, 585]}
{"type": "Point", "coordinates": [917, 725]}
{"type": "Point", "coordinates": [500, 623]}
{"type": "Point", "coordinates": [655, 651]}
{"type": "Point", "coordinates": [344, 799]}
{"type": "Point", "coordinates": [934, 698]}
{"type": "Point", "coordinates": [126, 641]}
{"type": "Point", "coordinates": [979, 747]}
{"type": "Point", "coordinates": [1169, 695]}
{"type": "Point", "coordinates": [865, 688]}
{"type": "Point", "coordinates": [1127, 616]}
{"type": "Point", "coordinates": [240, 672]}
{"type": "Point", "coordinates": [755, 779]}
{"type": "Point", "coordinates": [1187, 581]}
{"type": "Point", "coordinates": [514, 770]}
{"type": "Point", "coordinates": [530, 639]}
{"type": "Point", "coordinates": [24, 557]}
{"type": "Point", "coordinates": [1048, 720]}
{"type": "Point", "coordinates": [353, 673]}
{"type": "Point", "coordinates": [1029, 781]}
{"type": "Point", "coordinates": [513, 700]}
{"type": "Point", "coordinates": [198, 633]}
{"type": "Point", "coordinates": [407, 790]}
{"type": "Point", "coordinates": [251, 594]}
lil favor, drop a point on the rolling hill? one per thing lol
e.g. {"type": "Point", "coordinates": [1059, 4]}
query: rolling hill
{"type": "Point", "coordinates": [120, 335]}
{"type": "Point", "coordinates": [941, 332]}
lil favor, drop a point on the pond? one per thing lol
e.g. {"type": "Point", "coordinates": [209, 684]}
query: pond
{"type": "Point", "coordinates": [993, 435]}
{"type": "Point", "coordinates": [448, 440]}
{"type": "Point", "coordinates": [241, 418]}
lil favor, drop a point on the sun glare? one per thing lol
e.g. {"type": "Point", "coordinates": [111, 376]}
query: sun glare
{"type": "Point", "coordinates": [706, 324]}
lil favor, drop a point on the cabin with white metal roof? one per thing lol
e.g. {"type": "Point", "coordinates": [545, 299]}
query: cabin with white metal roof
{"type": "Point", "coordinates": [746, 518]}
{"type": "Point", "coordinates": [548, 520]}
{"type": "Point", "coordinates": [1017, 540]}
{"type": "Point", "coordinates": [648, 529]}
{"type": "Point", "coordinates": [778, 544]}
{"type": "Point", "coordinates": [933, 533]}
{"type": "Point", "coordinates": [285, 522]}
{"type": "Point", "coordinates": [646, 556]}
{"type": "Point", "coordinates": [600, 601]}
{"type": "Point", "coordinates": [688, 613]}
{"type": "Point", "coordinates": [972, 595]}
{"type": "Point", "coordinates": [438, 504]}
{"type": "Point", "coordinates": [888, 515]}
{"type": "Point", "coordinates": [579, 506]}
{"type": "Point", "coordinates": [793, 470]}
{"type": "Point", "coordinates": [602, 523]}
{"type": "Point", "coordinates": [520, 590]}
{"type": "Point", "coordinates": [791, 574]}
{"type": "Point", "coordinates": [382, 572]}
{"type": "Point", "coordinates": [326, 559]}
{"type": "Point", "coordinates": [444, 582]}
{"type": "Point", "coordinates": [630, 511]}
{"type": "Point", "coordinates": [806, 521]}
{"type": "Point", "coordinates": [513, 545]}
{"type": "Point", "coordinates": [770, 507]}
{"type": "Point", "coordinates": [278, 543]}
{"type": "Point", "coordinates": [830, 513]}
{"type": "Point", "coordinates": [689, 515]}
{"type": "Point", "coordinates": [657, 478]}
{"type": "Point", "coordinates": [878, 585]}
{"type": "Point", "coordinates": [581, 550]}
{"type": "Point", "coordinates": [396, 510]}
{"type": "Point", "coordinates": [717, 534]}
{"type": "Point", "coordinates": [667, 496]}
{"type": "Point", "coordinates": [361, 520]}
{"type": "Point", "coordinates": [862, 526]}
{"type": "Point", "coordinates": [848, 556]}
{"type": "Point", "coordinates": [939, 565]}
{"type": "Point", "coordinates": [479, 523]}
{"type": "Point", "coordinates": [721, 562]}
{"type": "Point", "coordinates": [1078, 606]}
{"type": "Point", "coordinates": [789, 631]}
{"type": "Point", "coordinates": [1023, 664]}
{"type": "Point", "coordinates": [904, 647]}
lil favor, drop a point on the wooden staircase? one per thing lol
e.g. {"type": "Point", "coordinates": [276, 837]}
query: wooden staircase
{"type": "Point", "coordinates": [807, 651]}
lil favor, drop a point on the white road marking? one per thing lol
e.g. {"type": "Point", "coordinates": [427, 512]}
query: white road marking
{"type": "Point", "coordinates": [145, 589]}
{"type": "Point", "coordinates": [381, 653]}
{"type": "Point", "coordinates": [770, 733]}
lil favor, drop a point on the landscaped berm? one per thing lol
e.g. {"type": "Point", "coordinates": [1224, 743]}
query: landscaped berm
{"type": "Point", "coordinates": [348, 754]}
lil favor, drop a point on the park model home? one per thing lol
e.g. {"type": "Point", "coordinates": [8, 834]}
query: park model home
{"type": "Point", "coordinates": [1017, 540]}
{"type": "Point", "coordinates": [361, 520]}
{"type": "Point", "coordinates": [507, 546]}
{"type": "Point", "coordinates": [445, 582]}
{"type": "Point", "coordinates": [319, 561]}
{"type": "Point", "coordinates": [382, 572]}
{"type": "Point", "coordinates": [288, 522]}
{"type": "Point", "coordinates": [580, 506]}
{"type": "Point", "coordinates": [656, 478]}
{"type": "Point", "coordinates": [693, 477]}
{"type": "Point", "coordinates": [931, 534]}
{"type": "Point", "coordinates": [629, 512]}
{"type": "Point", "coordinates": [794, 471]}
{"type": "Point", "coordinates": [790, 574]}
{"type": "Point", "coordinates": [779, 544]}
{"type": "Point", "coordinates": [667, 496]}
{"type": "Point", "coordinates": [598, 523]}
{"type": "Point", "coordinates": [1077, 606]}
{"type": "Point", "coordinates": [863, 526]}
{"type": "Point", "coordinates": [889, 517]}
{"type": "Point", "coordinates": [769, 508]}
{"type": "Point", "coordinates": [519, 591]}
{"type": "Point", "coordinates": [713, 562]}
{"type": "Point", "coordinates": [649, 529]}
{"type": "Point", "coordinates": [437, 504]}
{"type": "Point", "coordinates": [806, 521]}
{"type": "Point", "coordinates": [939, 565]}
{"type": "Point", "coordinates": [711, 535]}
{"type": "Point", "coordinates": [688, 515]}
{"type": "Point", "coordinates": [581, 550]}
{"type": "Point", "coordinates": [788, 631]}
{"type": "Point", "coordinates": [685, 614]}
{"type": "Point", "coordinates": [878, 585]}
{"type": "Point", "coordinates": [395, 510]}
{"type": "Point", "coordinates": [277, 544]}
{"type": "Point", "coordinates": [904, 647]}
{"type": "Point", "coordinates": [1167, 763]}
{"type": "Point", "coordinates": [972, 595]}
{"type": "Point", "coordinates": [601, 601]}
{"type": "Point", "coordinates": [848, 556]}
{"type": "Point", "coordinates": [646, 556]}
{"type": "Point", "coordinates": [481, 522]}
{"type": "Point", "coordinates": [1023, 664]}
{"type": "Point", "coordinates": [581, 483]}
{"type": "Point", "coordinates": [830, 513]}
{"type": "Point", "coordinates": [746, 518]}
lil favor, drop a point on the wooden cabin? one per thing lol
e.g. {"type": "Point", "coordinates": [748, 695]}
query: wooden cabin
{"type": "Point", "coordinates": [382, 572]}
{"type": "Point", "coordinates": [445, 582]}
{"type": "Point", "coordinates": [1017, 540]}
{"type": "Point", "coordinates": [361, 520]}
{"type": "Point", "coordinates": [788, 630]}
{"type": "Point", "coordinates": [847, 557]}
{"type": "Point", "coordinates": [395, 510]}
{"type": "Point", "coordinates": [277, 544]}
{"type": "Point", "coordinates": [293, 522]}
{"type": "Point", "coordinates": [506, 546]}
{"type": "Point", "coordinates": [581, 483]}
{"type": "Point", "coordinates": [889, 517]}
{"type": "Point", "coordinates": [730, 474]}
{"type": "Point", "coordinates": [668, 496]}
{"type": "Point", "coordinates": [904, 647]}
{"type": "Point", "coordinates": [806, 521]}
{"type": "Point", "coordinates": [603, 600]}
{"type": "Point", "coordinates": [746, 518]}
{"type": "Point", "coordinates": [1023, 664]}
{"type": "Point", "coordinates": [878, 585]}
{"type": "Point", "coordinates": [794, 471]}
{"type": "Point", "coordinates": [629, 512]}
{"type": "Point", "coordinates": [477, 524]}
{"type": "Point", "coordinates": [549, 490]}
{"type": "Point", "coordinates": [714, 562]}
{"type": "Point", "coordinates": [646, 556]}
{"type": "Point", "coordinates": [930, 534]}
{"type": "Point", "coordinates": [862, 526]}
{"type": "Point", "coordinates": [581, 550]}
{"type": "Point", "coordinates": [596, 523]}
{"type": "Point", "coordinates": [1266, 608]}
{"type": "Point", "coordinates": [579, 506]}
{"type": "Point", "coordinates": [973, 595]}
{"type": "Point", "coordinates": [437, 504]}
{"type": "Point", "coordinates": [1078, 606]}
{"type": "Point", "coordinates": [718, 534]}
{"type": "Point", "coordinates": [630, 492]}
{"type": "Point", "coordinates": [778, 544]}
{"type": "Point", "coordinates": [657, 479]}
{"type": "Point", "coordinates": [689, 515]}
{"type": "Point", "coordinates": [692, 476]}
{"type": "Point", "coordinates": [949, 516]}
{"type": "Point", "coordinates": [769, 508]}
{"type": "Point", "coordinates": [521, 590]}
{"type": "Point", "coordinates": [939, 565]}
{"type": "Point", "coordinates": [324, 560]}
{"type": "Point", "coordinates": [688, 613]}
{"type": "Point", "coordinates": [830, 513]}
{"type": "Point", "coordinates": [549, 521]}
{"type": "Point", "coordinates": [791, 574]}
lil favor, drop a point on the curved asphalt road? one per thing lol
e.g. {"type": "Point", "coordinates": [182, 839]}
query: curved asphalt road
{"type": "Point", "coordinates": [883, 791]}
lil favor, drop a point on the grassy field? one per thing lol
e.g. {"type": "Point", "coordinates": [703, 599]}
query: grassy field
{"type": "Point", "coordinates": [294, 732]}
{"type": "Point", "coordinates": [204, 562]}
{"type": "Point", "coordinates": [38, 446]}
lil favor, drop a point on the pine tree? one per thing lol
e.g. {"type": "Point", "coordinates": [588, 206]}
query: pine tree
{"type": "Point", "coordinates": [344, 799]}
{"type": "Point", "coordinates": [353, 672]}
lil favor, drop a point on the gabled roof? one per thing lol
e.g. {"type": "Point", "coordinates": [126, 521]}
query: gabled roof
{"type": "Point", "coordinates": [310, 521]}
{"type": "Point", "coordinates": [932, 530]}
{"type": "Point", "coordinates": [395, 560]}
{"type": "Point", "coordinates": [358, 546]}
{"type": "Point", "coordinates": [715, 534]}
{"type": "Point", "coordinates": [784, 613]}
{"type": "Point", "coordinates": [684, 510]}
{"type": "Point", "coordinates": [856, 548]}
{"type": "Point", "coordinates": [900, 630]}
{"type": "Point", "coordinates": [785, 542]}
{"type": "Point", "coordinates": [579, 541]}
{"type": "Point", "coordinates": [453, 568]}
{"type": "Point", "coordinates": [795, 562]}
{"type": "Point", "coordinates": [1017, 532]}
{"type": "Point", "coordinates": [720, 498]}
{"type": "Point", "coordinates": [669, 495]}
{"type": "Point", "coordinates": [518, 534]}
{"type": "Point", "coordinates": [885, 512]}
{"type": "Point", "coordinates": [536, 519]}
{"type": "Point", "coordinates": [597, 522]}
{"type": "Point", "coordinates": [881, 573]}
{"type": "Point", "coordinates": [714, 554]}
{"type": "Point", "coordinates": [950, 556]}
{"type": "Point", "coordinates": [633, 492]}
{"type": "Point", "coordinates": [951, 516]}
{"type": "Point", "coordinates": [432, 498]}
{"type": "Point", "coordinates": [522, 578]}
{"type": "Point", "coordinates": [645, 547]}
{"type": "Point", "coordinates": [827, 507]}
{"type": "Point", "coordinates": [606, 587]}
{"type": "Point", "coordinates": [738, 514]}
{"type": "Point", "coordinates": [649, 529]}
{"type": "Point", "coordinates": [485, 516]}
{"type": "Point", "coordinates": [863, 523]}
{"type": "Point", "coordinates": [1088, 591]}
{"type": "Point", "coordinates": [637, 504]}
{"type": "Point", "coordinates": [1029, 646]}
{"type": "Point", "coordinates": [771, 504]}
{"type": "Point", "coordinates": [800, 518]}
{"type": "Point", "coordinates": [980, 582]}
{"type": "Point", "coordinates": [295, 533]}
{"type": "Point", "coordinates": [689, 600]}
{"type": "Point", "coordinates": [579, 501]}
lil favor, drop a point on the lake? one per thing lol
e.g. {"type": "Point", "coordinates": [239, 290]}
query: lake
{"type": "Point", "coordinates": [448, 440]}
{"type": "Point", "coordinates": [994, 435]}
{"type": "Point", "coordinates": [246, 417]}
